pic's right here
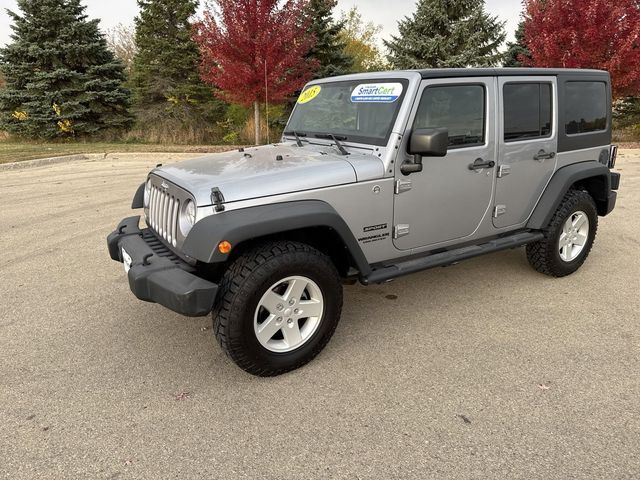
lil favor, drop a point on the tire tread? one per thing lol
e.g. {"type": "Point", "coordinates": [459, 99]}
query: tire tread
{"type": "Point", "coordinates": [245, 269]}
{"type": "Point", "coordinates": [541, 254]}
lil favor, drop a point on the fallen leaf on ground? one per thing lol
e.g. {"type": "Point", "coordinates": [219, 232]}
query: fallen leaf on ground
{"type": "Point", "coordinates": [464, 419]}
{"type": "Point", "coordinates": [182, 396]}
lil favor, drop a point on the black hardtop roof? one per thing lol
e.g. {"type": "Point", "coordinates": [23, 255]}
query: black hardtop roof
{"type": "Point", "coordinates": [508, 72]}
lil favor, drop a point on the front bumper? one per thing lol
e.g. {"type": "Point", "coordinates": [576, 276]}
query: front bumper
{"type": "Point", "coordinates": [157, 274]}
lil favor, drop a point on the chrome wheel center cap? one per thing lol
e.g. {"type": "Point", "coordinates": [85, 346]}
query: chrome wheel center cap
{"type": "Point", "coordinates": [287, 312]}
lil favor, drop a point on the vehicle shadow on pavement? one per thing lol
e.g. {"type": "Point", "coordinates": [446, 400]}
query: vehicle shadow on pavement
{"type": "Point", "coordinates": [416, 301]}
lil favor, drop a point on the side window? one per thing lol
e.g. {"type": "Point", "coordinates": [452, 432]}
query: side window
{"type": "Point", "coordinates": [459, 108]}
{"type": "Point", "coordinates": [527, 111]}
{"type": "Point", "coordinates": [585, 107]}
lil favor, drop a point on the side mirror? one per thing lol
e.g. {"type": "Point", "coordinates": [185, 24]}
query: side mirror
{"type": "Point", "coordinates": [425, 142]}
{"type": "Point", "coordinates": [429, 142]}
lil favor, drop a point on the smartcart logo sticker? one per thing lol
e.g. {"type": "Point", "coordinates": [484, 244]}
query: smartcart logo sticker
{"type": "Point", "coordinates": [377, 93]}
{"type": "Point", "coordinates": [309, 94]}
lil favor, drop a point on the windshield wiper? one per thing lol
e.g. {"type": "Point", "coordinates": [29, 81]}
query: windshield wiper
{"type": "Point", "coordinates": [336, 139]}
{"type": "Point", "coordinates": [297, 136]}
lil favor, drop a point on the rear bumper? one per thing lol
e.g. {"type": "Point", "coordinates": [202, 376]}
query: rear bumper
{"type": "Point", "coordinates": [614, 180]}
{"type": "Point", "coordinates": [614, 184]}
{"type": "Point", "coordinates": [611, 202]}
{"type": "Point", "coordinates": [158, 275]}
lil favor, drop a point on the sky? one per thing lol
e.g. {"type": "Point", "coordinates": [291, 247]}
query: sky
{"type": "Point", "coordinates": [382, 12]}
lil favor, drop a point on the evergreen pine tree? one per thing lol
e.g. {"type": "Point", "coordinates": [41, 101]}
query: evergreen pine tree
{"type": "Point", "coordinates": [447, 33]}
{"type": "Point", "coordinates": [329, 48]}
{"type": "Point", "coordinates": [169, 97]}
{"type": "Point", "coordinates": [626, 112]}
{"type": "Point", "coordinates": [517, 50]}
{"type": "Point", "coordinates": [61, 79]}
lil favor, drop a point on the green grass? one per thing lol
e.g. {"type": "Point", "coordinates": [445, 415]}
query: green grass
{"type": "Point", "coordinates": [17, 151]}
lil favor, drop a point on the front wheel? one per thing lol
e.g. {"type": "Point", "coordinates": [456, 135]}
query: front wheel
{"type": "Point", "coordinates": [278, 306]}
{"type": "Point", "coordinates": [568, 238]}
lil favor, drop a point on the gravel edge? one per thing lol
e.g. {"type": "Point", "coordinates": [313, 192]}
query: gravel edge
{"type": "Point", "coordinates": [38, 162]}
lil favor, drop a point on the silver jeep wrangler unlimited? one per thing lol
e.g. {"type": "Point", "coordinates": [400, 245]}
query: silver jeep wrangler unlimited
{"type": "Point", "coordinates": [376, 176]}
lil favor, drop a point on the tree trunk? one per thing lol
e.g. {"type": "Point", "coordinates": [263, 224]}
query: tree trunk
{"type": "Point", "coordinates": [256, 118]}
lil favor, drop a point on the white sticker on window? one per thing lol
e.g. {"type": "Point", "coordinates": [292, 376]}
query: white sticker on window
{"type": "Point", "coordinates": [376, 93]}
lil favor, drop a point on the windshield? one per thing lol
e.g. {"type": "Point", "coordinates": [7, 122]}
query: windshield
{"type": "Point", "coordinates": [356, 111]}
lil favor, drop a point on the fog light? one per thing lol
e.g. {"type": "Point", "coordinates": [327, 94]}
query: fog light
{"type": "Point", "coordinates": [224, 247]}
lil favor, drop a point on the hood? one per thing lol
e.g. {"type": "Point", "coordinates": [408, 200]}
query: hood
{"type": "Point", "coordinates": [270, 170]}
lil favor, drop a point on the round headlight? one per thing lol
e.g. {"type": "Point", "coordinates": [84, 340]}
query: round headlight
{"type": "Point", "coordinates": [187, 217]}
{"type": "Point", "coordinates": [147, 193]}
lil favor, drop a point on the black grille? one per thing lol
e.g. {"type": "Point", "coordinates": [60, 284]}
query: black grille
{"type": "Point", "coordinates": [159, 248]}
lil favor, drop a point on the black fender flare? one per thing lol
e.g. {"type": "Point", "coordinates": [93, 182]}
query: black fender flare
{"type": "Point", "coordinates": [138, 198]}
{"type": "Point", "coordinates": [561, 182]}
{"type": "Point", "coordinates": [237, 226]}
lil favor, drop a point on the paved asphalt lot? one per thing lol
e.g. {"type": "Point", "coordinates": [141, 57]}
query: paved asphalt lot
{"type": "Point", "coordinates": [482, 370]}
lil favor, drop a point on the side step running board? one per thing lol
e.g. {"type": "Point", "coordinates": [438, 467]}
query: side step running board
{"type": "Point", "coordinates": [449, 257]}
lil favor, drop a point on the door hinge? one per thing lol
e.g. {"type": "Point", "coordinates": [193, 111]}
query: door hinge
{"type": "Point", "coordinates": [403, 186]}
{"type": "Point", "coordinates": [400, 230]}
{"type": "Point", "coordinates": [499, 210]}
{"type": "Point", "coordinates": [504, 170]}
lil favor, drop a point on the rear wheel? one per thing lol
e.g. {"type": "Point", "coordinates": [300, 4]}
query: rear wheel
{"type": "Point", "coordinates": [277, 308]}
{"type": "Point", "coordinates": [568, 238]}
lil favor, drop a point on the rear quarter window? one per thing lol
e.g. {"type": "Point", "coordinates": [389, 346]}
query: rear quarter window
{"type": "Point", "coordinates": [585, 108]}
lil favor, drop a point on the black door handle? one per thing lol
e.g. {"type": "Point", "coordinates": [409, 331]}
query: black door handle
{"type": "Point", "coordinates": [542, 155]}
{"type": "Point", "coordinates": [480, 164]}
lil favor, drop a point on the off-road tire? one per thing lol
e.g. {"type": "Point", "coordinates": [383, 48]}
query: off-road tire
{"type": "Point", "coordinates": [544, 255]}
{"type": "Point", "coordinates": [241, 288]}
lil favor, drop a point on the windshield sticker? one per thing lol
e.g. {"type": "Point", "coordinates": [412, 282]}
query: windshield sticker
{"type": "Point", "coordinates": [309, 94]}
{"type": "Point", "coordinates": [377, 93]}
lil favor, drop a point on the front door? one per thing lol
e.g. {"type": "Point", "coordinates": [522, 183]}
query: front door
{"type": "Point", "coordinates": [528, 145]}
{"type": "Point", "coordinates": [450, 197]}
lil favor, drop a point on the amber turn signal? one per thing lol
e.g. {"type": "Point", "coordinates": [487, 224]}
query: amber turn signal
{"type": "Point", "coordinates": [224, 247]}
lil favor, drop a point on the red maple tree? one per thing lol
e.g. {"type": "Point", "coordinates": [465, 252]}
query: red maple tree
{"type": "Point", "coordinates": [601, 34]}
{"type": "Point", "coordinates": [253, 50]}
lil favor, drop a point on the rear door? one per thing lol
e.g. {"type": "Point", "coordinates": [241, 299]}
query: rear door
{"type": "Point", "coordinates": [528, 141]}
